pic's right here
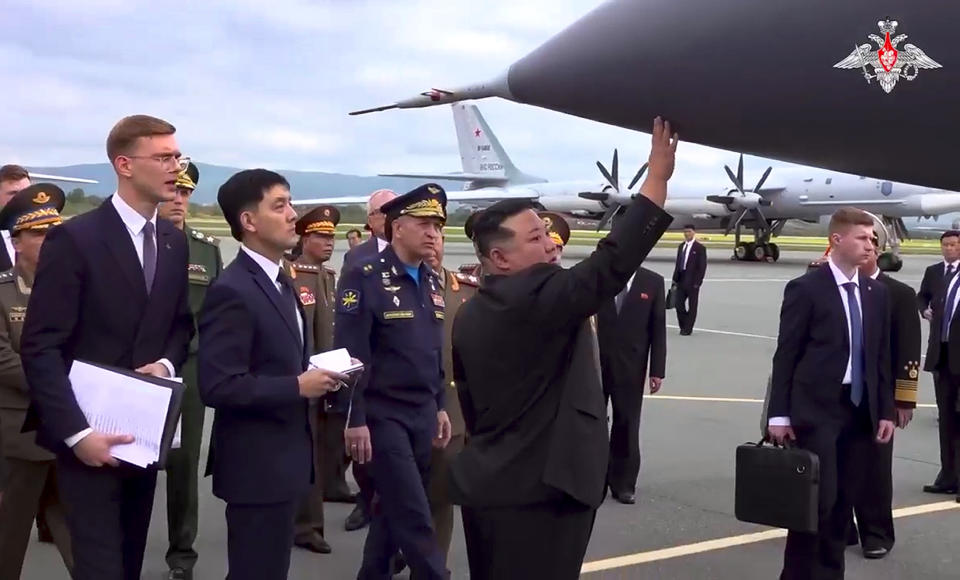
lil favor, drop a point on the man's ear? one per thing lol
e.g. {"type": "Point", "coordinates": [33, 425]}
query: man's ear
{"type": "Point", "coordinates": [499, 259]}
{"type": "Point", "coordinates": [246, 222]}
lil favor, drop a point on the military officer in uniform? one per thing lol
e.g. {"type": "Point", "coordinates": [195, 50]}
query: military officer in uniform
{"type": "Point", "coordinates": [316, 285]}
{"type": "Point", "coordinates": [205, 264]}
{"type": "Point", "coordinates": [390, 315]}
{"type": "Point", "coordinates": [874, 509]}
{"type": "Point", "coordinates": [457, 288]}
{"type": "Point", "coordinates": [558, 230]}
{"type": "Point", "coordinates": [31, 487]}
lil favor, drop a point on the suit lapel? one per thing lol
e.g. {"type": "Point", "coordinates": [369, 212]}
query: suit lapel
{"type": "Point", "coordinates": [269, 288]}
{"type": "Point", "coordinates": [116, 237]}
{"type": "Point", "coordinates": [836, 303]}
{"type": "Point", "coordinates": [6, 260]}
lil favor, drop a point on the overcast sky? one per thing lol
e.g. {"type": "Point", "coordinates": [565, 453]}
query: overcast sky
{"type": "Point", "coordinates": [270, 82]}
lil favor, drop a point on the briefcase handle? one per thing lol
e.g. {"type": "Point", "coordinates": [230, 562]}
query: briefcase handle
{"type": "Point", "coordinates": [766, 439]}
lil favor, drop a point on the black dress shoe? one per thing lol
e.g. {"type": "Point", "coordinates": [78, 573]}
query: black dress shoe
{"type": "Point", "coordinates": [358, 519]}
{"type": "Point", "coordinates": [625, 497]}
{"type": "Point", "coordinates": [936, 488]}
{"type": "Point", "coordinates": [875, 553]}
{"type": "Point", "coordinates": [341, 498]}
{"type": "Point", "coordinates": [180, 574]}
{"type": "Point", "coordinates": [312, 541]}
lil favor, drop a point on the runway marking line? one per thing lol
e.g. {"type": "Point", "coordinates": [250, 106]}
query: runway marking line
{"type": "Point", "coordinates": [733, 541]}
{"type": "Point", "coordinates": [738, 400]}
{"type": "Point", "coordinates": [727, 333]}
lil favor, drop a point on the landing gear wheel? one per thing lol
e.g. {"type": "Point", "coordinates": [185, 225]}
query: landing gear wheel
{"type": "Point", "coordinates": [749, 250]}
{"type": "Point", "coordinates": [774, 252]}
{"type": "Point", "coordinates": [759, 252]}
{"type": "Point", "coordinates": [740, 252]}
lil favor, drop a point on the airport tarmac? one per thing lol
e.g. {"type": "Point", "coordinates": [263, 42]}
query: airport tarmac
{"type": "Point", "coordinates": [682, 526]}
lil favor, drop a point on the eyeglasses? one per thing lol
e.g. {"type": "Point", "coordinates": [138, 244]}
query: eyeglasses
{"type": "Point", "coordinates": [166, 159]}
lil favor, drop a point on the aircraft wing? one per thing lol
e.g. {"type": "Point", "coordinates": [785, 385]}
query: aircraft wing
{"type": "Point", "coordinates": [60, 178]}
{"type": "Point", "coordinates": [851, 202]}
{"type": "Point", "coordinates": [491, 194]}
{"type": "Point", "coordinates": [450, 177]}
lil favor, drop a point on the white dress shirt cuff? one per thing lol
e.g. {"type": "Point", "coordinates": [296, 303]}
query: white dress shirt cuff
{"type": "Point", "coordinates": [71, 441]}
{"type": "Point", "coordinates": [779, 422]}
{"type": "Point", "coordinates": [169, 366]}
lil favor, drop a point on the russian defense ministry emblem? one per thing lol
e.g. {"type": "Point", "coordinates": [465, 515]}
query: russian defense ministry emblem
{"type": "Point", "coordinates": [889, 63]}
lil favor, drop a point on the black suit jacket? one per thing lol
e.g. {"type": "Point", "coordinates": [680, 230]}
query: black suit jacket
{"type": "Point", "coordinates": [527, 374]}
{"type": "Point", "coordinates": [635, 335]}
{"type": "Point", "coordinates": [692, 275]}
{"type": "Point", "coordinates": [360, 253]}
{"type": "Point", "coordinates": [813, 348]}
{"type": "Point", "coordinates": [934, 339]}
{"type": "Point", "coordinates": [89, 302]}
{"type": "Point", "coordinates": [905, 341]}
{"type": "Point", "coordinates": [249, 359]}
{"type": "Point", "coordinates": [931, 285]}
{"type": "Point", "coordinates": [6, 260]}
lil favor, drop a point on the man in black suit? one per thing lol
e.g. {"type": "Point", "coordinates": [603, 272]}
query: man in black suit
{"type": "Point", "coordinates": [533, 470]}
{"type": "Point", "coordinates": [943, 360]}
{"type": "Point", "coordinates": [832, 390]}
{"type": "Point", "coordinates": [110, 288]}
{"type": "Point", "coordinates": [688, 275]}
{"type": "Point", "coordinates": [632, 329]}
{"type": "Point", "coordinates": [874, 509]}
{"type": "Point", "coordinates": [337, 490]}
{"type": "Point", "coordinates": [933, 293]}
{"type": "Point", "coordinates": [252, 369]}
{"type": "Point", "coordinates": [935, 274]}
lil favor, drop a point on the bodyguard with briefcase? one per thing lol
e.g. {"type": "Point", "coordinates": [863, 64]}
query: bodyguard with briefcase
{"type": "Point", "coordinates": [831, 393]}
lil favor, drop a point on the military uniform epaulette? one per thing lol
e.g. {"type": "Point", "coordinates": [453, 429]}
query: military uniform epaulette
{"type": "Point", "coordinates": [300, 266]}
{"type": "Point", "coordinates": [468, 279]}
{"type": "Point", "coordinates": [329, 270]}
{"type": "Point", "coordinates": [205, 238]}
{"type": "Point", "coordinates": [7, 276]}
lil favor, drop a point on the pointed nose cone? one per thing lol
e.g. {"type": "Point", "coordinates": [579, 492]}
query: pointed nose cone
{"type": "Point", "coordinates": [758, 77]}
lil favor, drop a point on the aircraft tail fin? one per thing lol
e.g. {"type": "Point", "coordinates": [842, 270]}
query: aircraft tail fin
{"type": "Point", "coordinates": [480, 151]}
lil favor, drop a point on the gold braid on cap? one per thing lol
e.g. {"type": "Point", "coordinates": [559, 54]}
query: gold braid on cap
{"type": "Point", "coordinates": [47, 216]}
{"type": "Point", "coordinates": [321, 227]}
{"type": "Point", "coordinates": [184, 181]}
{"type": "Point", "coordinates": [425, 208]}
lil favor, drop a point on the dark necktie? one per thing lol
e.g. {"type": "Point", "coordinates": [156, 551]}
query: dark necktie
{"type": "Point", "coordinates": [289, 298]}
{"type": "Point", "coordinates": [856, 345]}
{"type": "Point", "coordinates": [948, 312]}
{"type": "Point", "coordinates": [149, 255]}
{"type": "Point", "coordinates": [949, 274]}
{"type": "Point", "coordinates": [618, 301]}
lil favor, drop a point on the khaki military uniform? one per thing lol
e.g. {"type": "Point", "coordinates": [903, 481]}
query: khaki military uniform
{"type": "Point", "coordinates": [457, 289]}
{"type": "Point", "coordinates": [316, 288]}
{"type": "Point", "coordinates": [204, 265]}
{"type": "Point", "coordinates": [31, 486]}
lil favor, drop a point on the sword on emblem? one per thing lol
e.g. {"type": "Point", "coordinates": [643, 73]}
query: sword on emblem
{"type": "Point", "coordinates": [863, 64]}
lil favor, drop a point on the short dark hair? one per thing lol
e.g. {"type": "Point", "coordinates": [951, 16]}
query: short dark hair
{"type": "Point", "coordinates": [243, 191]}
{"type": "Point", "coordinates": [488, 225]}
{"type": "Point", "coordinates": [354, 231]}
{"type": "Point", "coordinates": [949, 234]}
{"type": "Point", "coordinates": [849, 216]}
{"type": "Point", "coordinates": [690, 227]}
{"type": "Point", "coordinates": [13, 173]}
{"type": "Point", "coordinates": [128, 129]}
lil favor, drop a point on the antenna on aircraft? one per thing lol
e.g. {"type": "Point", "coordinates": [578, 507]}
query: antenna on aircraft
{"type": "Point", "coordinates": [497, 87]}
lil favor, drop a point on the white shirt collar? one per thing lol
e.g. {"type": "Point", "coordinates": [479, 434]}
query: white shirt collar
{"type": "Point", "coordinates": [381, 244]}
{"type": "Point", "coordinates": [269, 267]}
{"type": "Point", "coordinates": [6, 234]}
{"type": "Point", "coordinates": [133, 220]}
{"type": "Point", "coordinates": [954, 264]}
{"type": "Point", "coordinates": [840, 277]}
{"type": "Point", "coordinates": [875, 274]}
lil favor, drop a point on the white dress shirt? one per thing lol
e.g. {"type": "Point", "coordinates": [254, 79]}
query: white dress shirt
{"type": "Point", "coordinates": [841, 279]}
{"type": "Point", "coordinates": [686, 253]}
{"type": "Point", "coordinates": [381, 244]}
{"type": "Point", "coordinates": [135, 224]}
{"type": "Point", "coordinates": [8, 242]}
{"type": "Point", "coordinates": [956, 299]}
{"type": "Point", "coordinates": [272, 270]}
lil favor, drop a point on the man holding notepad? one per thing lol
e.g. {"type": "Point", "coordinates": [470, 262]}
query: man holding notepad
{"type": "Point", "coordinates": [118, 250]}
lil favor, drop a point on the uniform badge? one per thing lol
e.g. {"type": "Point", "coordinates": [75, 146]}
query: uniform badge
{"type": "Point", "coordinates": [306, 297]}
{"type": "Point", "coordinates": [396, 301]}
{"type": "Point", "coordinates": [350, 300]}
{"type": "Point", "coordinates": [644, 296]}
{"type": "Point", "coordinates": [888, 63]}
{"type": "Point", "coordinates": [437, 300]}
{"type": "Point", "coordinates": [390, 288]}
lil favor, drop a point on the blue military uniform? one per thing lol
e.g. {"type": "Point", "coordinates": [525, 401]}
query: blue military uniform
{"type": "Point", "coordinates": [390, 316]}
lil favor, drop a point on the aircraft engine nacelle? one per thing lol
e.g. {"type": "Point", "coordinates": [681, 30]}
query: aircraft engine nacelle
{"type": "Point", "coordinates": [748, 201]}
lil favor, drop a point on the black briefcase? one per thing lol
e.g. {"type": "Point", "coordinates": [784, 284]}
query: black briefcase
{"type": "Point", "coordinates": [777, 486]}
{"type": "Point", "coordinates": [671, 300]}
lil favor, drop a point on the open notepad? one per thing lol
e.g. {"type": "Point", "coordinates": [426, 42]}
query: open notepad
{"type": "Point", "coordinates": [338, 361]}
{"type": "Point", "coordinates": [123, 402]}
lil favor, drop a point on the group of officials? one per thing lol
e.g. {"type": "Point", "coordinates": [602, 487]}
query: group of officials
{"type": "Point", "coordinates": [428, 422]}
{"type": "Point", "coordinates": [485, 392]}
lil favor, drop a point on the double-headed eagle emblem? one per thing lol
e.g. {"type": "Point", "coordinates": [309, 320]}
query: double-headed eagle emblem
{"type": "Point", "coordinates": [889, 64]}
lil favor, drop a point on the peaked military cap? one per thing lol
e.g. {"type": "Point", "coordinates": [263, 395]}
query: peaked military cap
{"type": "Point", "coordinates": [34, 208]}
{"type": "Point", "coordinates": [189, 177]}
{"type": "Point", "coordinates": [320, 220]}
{"type": "Point", "coordinates": [557, 227]}
{"type": "Point", "coordinates": [428, 200]}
